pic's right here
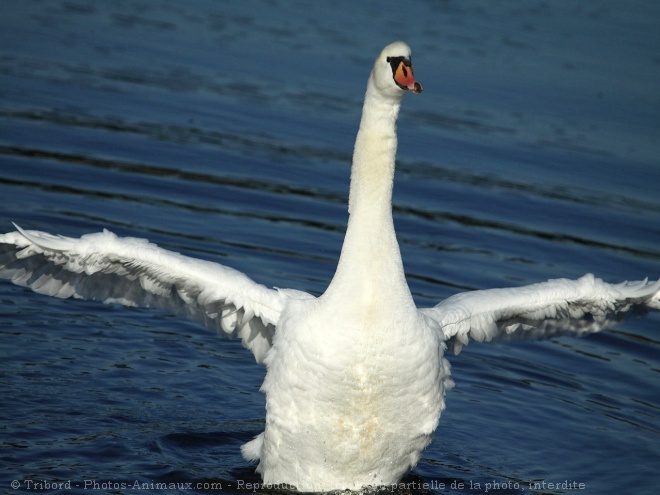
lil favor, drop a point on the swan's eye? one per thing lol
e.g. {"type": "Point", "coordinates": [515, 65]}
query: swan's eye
{"type": "Point", "coordinates": [396, 61]}
{"type": "Point", "coordinates": [399, 63]}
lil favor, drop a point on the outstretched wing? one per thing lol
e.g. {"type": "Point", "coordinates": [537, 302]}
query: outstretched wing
{"type": "Point", "coordinates": [134, 272]}
{"type": "Point", "coordinates": [540, 310]}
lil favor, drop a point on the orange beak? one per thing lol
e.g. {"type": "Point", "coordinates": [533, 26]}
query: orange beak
{"type": "Point", "coordinates": [403, 76]}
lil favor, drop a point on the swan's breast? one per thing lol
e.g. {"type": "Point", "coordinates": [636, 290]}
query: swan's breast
{"type": "Point", "coordinates": [348, 401]}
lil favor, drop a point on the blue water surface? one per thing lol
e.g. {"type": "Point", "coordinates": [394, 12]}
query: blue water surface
{"type": "Point", "coordinates": [224, 130]}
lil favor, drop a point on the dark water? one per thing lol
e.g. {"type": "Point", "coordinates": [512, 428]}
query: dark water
{"type": "Point", "coordinates": [224, 130]}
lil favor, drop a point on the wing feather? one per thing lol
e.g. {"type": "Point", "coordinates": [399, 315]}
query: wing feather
{"type": "Point", "coordinates": [134, 272]}
{"type": "Point", "coordinates": [539, 310]}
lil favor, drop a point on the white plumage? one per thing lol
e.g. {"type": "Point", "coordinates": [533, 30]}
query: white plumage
{"type": "Point", "coordinates": [356, 377]}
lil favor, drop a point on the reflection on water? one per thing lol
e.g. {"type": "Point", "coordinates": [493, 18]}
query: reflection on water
{"type": "Point", "coordinates": [225, 130]}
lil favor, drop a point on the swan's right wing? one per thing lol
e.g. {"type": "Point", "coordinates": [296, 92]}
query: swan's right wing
{"type": "Point", "coordinates": [540, 310]}
{"type": "Point", "coordinates": [134, 272]}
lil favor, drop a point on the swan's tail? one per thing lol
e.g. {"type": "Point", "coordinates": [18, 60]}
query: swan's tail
{"type": "Point", "coordinates": [252, 450]}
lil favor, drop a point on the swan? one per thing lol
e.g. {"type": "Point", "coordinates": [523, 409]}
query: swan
{"type": "Point", "coordinates": [356, 378]}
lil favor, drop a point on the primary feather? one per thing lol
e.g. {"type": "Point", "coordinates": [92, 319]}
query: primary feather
{"type": "Point", "coordinates": [134, 272]}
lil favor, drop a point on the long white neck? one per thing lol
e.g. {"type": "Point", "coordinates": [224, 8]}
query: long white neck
{"type": "Point", "coordinates": [370, 269]}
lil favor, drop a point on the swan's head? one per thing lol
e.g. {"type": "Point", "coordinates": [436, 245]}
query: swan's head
{"type": "Point", "coordinates": [392, 73]}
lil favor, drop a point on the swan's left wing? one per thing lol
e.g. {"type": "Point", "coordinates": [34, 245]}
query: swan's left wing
{"type": "Point", "coordinates": [540, 310]}
{"type": "Point", "coordinates": [134, 272]}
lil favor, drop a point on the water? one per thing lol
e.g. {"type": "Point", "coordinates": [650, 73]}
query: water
{"type": "Point", "coordinates": [224, 130]}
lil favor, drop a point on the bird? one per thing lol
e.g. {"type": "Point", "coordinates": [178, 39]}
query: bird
{"type": "Point", "coordinates": [356, 377]}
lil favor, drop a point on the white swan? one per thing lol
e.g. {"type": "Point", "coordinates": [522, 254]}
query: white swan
{"type": "Point", "coordinates": [356, 377]}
